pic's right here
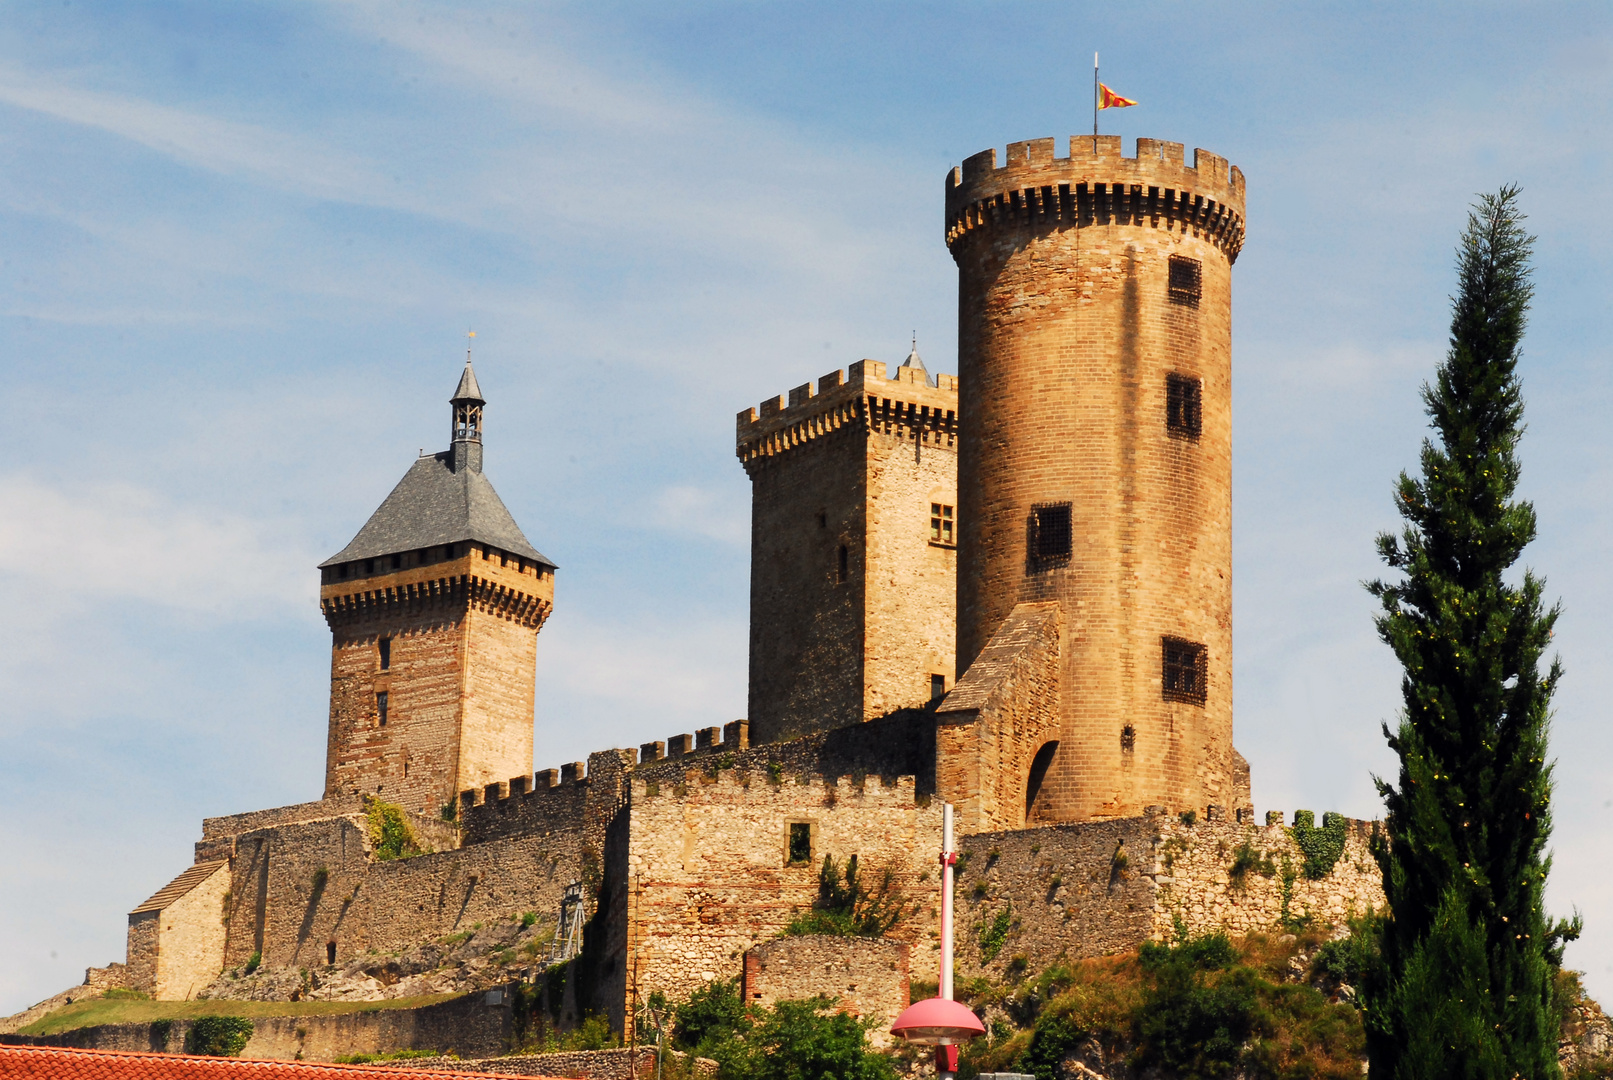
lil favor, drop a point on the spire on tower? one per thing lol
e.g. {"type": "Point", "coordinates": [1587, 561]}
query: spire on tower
{"type": "Point", "coordinates": [467, 402]}
{"type": "Point", "coordinates": [915, 362]}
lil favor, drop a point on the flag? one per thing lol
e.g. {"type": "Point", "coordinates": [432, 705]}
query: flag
{"type": "Point", "coordinates": [1108, 99]}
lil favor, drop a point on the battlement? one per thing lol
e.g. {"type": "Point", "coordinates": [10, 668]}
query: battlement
{"type": "Point", "coordinates": [527, 602]}
{"type": "Point", "coordinates": [1096, 184]}
{"type": "Point", "coordinates": [735, 784]}
{"type": "Point", "coordinates": [861, 398]}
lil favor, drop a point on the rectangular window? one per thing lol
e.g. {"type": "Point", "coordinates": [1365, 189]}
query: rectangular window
{"type": "Point", "coordinates": [1050, 541]}
{"type": "Point", "coordinates": [941, 524]}
{"type": "Point", "coordinates": [397, 562]}
{"type": "Point", "coordinates": [1186, 281]}
{"type": "Point", "coordinates": [1185, 670]}
{"type": "Point", "coordinates": [938, 687]}
{"type": "Point", "coordinates": [800, 842]}
{"type": "Point", "coordinates": [385, 647]}
{"type": "Point", "coordinates": [843, 571]}
{"type": "Point", "coordinates": [369, 566]}
{"type": "Point", "coordinates": [1184, 409]}
{"type": "Point", "coordinates": [380, 707]}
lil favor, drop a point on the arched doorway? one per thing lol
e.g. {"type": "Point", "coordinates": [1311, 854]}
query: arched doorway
{"type": "Point", "coordinates": [1038, 773]}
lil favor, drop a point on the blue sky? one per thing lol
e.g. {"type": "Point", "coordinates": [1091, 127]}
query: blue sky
{"type": "Point", "coordinates": [240, 246]}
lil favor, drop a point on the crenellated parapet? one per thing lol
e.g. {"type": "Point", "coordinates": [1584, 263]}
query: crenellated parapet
{"type": "Point", "coordinates": [862, 400]}
{"type": "Point", "coordinates": [521, 593]}
{"type": "Point", "coordinates": [1097, 185]}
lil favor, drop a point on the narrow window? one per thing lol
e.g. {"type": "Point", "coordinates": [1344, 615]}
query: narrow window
{"type": "Point", "coordinates": [940, 524]}
{"type": "Point", "coordinates": [423, 556]}
{"type": "Point", "coordinates": [800, 842]}
{"type": "Point", "coordinates": [823, 520]}
{"type": "Point", "coordinates": [330, 952]}
{"type": "Point", "coordinates": [341, 571]}
{"type": "Point", "coordinates": [1186, 281]}
{"type": "Point", "coordinates": [380, 707]}
{"type": "Point", "coordinates": [1184, 408]}
{"type": "Point", "coordinates": [385, 646]}
{"type": "Point", "coordinates": [938, 687]}
{"type": "Point", "coordinates": [369, 566]}
{"type": "Point", "coordinates": [1049, 544]}
{"type": "Point", "coordinates": [1184, 672]}
{"type": "Point", "coordinates": [843, 571]}
{"type": "Point", "coordinates": [1128, 739]}
{"type": "Point", "coordinates": [397, 562]}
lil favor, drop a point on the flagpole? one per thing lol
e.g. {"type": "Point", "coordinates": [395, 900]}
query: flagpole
{"type": "Point", "coordinates": [1094, 103]}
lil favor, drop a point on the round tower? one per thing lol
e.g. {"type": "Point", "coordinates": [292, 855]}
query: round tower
{"type": "Point", "coordinates": [1095, 455]}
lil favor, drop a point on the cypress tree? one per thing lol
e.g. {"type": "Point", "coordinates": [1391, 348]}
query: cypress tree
{"type": "Point", "coordinates": [1467, 986]}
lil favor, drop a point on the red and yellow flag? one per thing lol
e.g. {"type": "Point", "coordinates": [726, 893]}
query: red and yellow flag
{"type": "Point", "coordinates": [1108, 99]}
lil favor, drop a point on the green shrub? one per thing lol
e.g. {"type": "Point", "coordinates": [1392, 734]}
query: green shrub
{"type": "Point", "coordinates": [803, 1040]}
{"type": "Point", "coordinates": [1322, 847]}
{"type": "Point", "coordinates": [994, 932]}
{"type": "Point", "coordinates": [218, 1036]}
{"type": "Point", "coordinates": [713, 1015]}
{"type": "Point", "coordinates": [846, 907]}
{"type": "Point", "coordinates": [528, 918]}
{"type": "Point", "coordinates": [390, 835]}
{"type": "Point", "coordinates": [1245, 859]}
{"type": "Point", "coordinates": [252, 963]}
{"type": "Point", "coordinates": [1353, 959]}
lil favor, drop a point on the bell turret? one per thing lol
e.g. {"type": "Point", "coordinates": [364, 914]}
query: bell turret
{"type": "Point", "coordinates": [467, 402]}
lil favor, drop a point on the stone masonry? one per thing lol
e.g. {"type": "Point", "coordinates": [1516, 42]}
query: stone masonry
{"type": "Point", "coordinates": [1081, 478]}
{"type": "Point", "coordinates": [869, 979]}
{"type": "Point", "coordinates": [851, 590]}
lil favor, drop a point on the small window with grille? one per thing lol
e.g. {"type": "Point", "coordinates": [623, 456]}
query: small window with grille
{"type": "Point", "coordinates": [1185, 670]}
{"type": "Point", "coordinates": [941, 524]}
{"type": "Point", "coordinates": [1186, 281]}
{"type": "Point", "coordinates": [1049, 541]}
{"type": "Point", "coordinates": [1184, 408]}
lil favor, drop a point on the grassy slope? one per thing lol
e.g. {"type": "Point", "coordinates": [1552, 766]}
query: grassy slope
{"type": "Point", "coordinates": [122, 1010]}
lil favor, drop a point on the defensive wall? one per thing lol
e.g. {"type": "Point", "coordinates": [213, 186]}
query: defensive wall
{"type": "Point", "coordinates": [868, 979]}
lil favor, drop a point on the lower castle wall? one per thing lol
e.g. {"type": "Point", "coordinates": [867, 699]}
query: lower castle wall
{"type": "Point", "coordinates": [1095, 888]}
{"type": "Point", "coordinates": [708, 873]}
{"type": "Point", "coordinates": [283, 906]}
{"type": "Point", "coordinates": [469, 1026]}
{"type": "Point", "coordinates": [866, 978]}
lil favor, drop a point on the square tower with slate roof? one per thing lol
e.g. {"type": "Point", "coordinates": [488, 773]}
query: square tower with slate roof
{"type": "Point", "coordinates": [434, 610]}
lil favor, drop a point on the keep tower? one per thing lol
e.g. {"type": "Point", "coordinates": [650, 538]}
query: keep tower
{"type": "Point", "coordinates": [434, 610]}
{"type": "Point", "coordinates": [1095, 460]}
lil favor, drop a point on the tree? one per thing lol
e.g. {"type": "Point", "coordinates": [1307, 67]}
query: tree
{"type": "Point", "coordinates": [1469, 957]}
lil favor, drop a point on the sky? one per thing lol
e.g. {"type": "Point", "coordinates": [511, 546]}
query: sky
{"type": "Point", "coordinates": [241, 245]}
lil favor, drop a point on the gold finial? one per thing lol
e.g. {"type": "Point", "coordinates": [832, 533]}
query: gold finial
{"type": "Point", "coordinates": [468, 335]}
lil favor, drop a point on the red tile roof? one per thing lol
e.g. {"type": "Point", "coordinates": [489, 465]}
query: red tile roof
{"type": "Point", "coordinates": [61, 1063]}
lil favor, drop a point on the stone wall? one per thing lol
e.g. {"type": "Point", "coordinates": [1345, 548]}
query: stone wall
{"type": "Point", "coordinates": [999, 727]}
{"type": "Point", "coordinates": [191, 932]}
{"type": "Point", "coordinates": [865, 977]}
{"type": "Point", "coordinates": [472, 1025]}
{"type": "Point", "coordinates": [705, 873]}
{"type": "Point", "coordinates": [299, 888]}
{"type": "Point", "coordinates": [1098, 888]}
{"type": "Point", "coordinates": [623, 1063]}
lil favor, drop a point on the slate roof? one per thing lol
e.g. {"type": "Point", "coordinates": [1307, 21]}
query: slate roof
{"type": "Point", "coordinates": [61, 1063]}
{"type": "Point", "coordinates": [468, 390]}
{"type": "Point", "coordinates": [434, 505]}
{"type": "Point", "coordinates": [181, 885]}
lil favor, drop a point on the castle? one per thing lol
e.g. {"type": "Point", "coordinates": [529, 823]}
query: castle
{"type": "Point", "coordinates": [1009, 590]}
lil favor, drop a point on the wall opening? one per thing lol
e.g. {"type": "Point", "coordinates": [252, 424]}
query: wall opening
{"type": "Point", "coordinates": [330, 952]}
{"type": "Point", "coordinates": [938, 687]}
{"type": "Point", "coordinates": [1186, 281]}
{"type": "Point", "coordinates": [800, 842]}
{"type": "Point", "coordinates": [1184, 670]}
{"type": "Point", "coordinates": [1038, 773]}
{"type": "Point", "coordinates": [1048, 542]}
{"type": "Point", "coordinates": [1184, 408]}
{"type": "Point", "coordinates": [384, 646]}
{"type": "Point", "coordinates": [380, 708]}
{"type": "Point", "coordinates": [843, 570]}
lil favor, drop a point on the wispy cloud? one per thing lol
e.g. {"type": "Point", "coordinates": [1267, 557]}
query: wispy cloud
{"type": "Point", "coordinates": [119, 541]}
